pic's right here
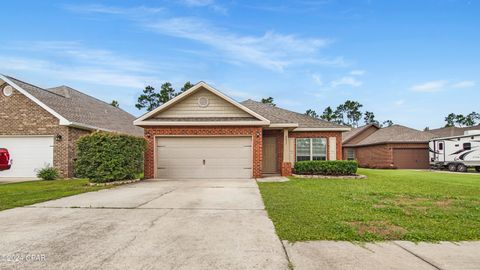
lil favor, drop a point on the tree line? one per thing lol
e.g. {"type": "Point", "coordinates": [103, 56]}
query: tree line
{"type": "Point", "coordinates": [348, 113]}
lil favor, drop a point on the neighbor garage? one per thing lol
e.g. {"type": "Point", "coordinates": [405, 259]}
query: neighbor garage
{"type": "Point", "coordinates": [28, 154]}
{"type": "Point", "coordinates": [410, 158]}
{"type": "Point", "coordinates": [211, 157]}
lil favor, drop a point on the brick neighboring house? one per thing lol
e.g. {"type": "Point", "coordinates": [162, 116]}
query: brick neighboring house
{"type": "Point", "coordinates": [203, 133]}
{"type": "Point", "coordinates": [395, 147]}
{"type": "Point", "coordinates": [40, 126]}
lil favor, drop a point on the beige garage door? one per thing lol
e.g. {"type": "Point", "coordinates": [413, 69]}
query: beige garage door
{"type": "Point", "coordinates": [204, 157]}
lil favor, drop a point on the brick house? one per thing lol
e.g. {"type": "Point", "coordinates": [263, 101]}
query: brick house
{"type": "Point", "coordinates": [40, 126]}
{"type": "Point", "coordinates": [203, 133]}
{"type": "Point", "coordinates": [394, 147]}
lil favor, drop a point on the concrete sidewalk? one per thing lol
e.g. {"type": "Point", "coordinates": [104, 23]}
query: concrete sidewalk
{"type": "Point", "coordinates": [386, 255]}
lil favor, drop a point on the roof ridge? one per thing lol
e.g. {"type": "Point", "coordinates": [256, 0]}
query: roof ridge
{"type": "Point", "coordinates": [36, 86]}
{"type": "Point", "coordinates": [92, 97]}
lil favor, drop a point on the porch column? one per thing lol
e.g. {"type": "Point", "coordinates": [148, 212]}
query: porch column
{"type": "Point", "coordinates": [286, 164]}
{"type": "Point", "coordinates": [286, 146]}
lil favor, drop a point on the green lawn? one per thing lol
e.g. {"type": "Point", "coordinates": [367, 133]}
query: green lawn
{"type": "Point", "coordinates": [26, 193]}
{"type": "Point", "coordinates": [389, 205]}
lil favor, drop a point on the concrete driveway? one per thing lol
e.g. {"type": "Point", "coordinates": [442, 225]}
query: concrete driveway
{"type": "Point", "coordinates": [153, 224]}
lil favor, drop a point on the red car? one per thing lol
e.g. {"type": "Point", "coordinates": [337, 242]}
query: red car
{"type": "Point", "coordinates": [5, 162]}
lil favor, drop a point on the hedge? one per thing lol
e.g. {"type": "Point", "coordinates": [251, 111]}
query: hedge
{"type": "Point", "coordinates": [333, 167]}
{"type": "Point", "coordinates": [106, 157]}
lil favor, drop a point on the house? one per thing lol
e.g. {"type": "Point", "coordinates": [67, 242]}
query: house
{"type": "Point", "coordinates": [203, 133]}
{"type": "Point", "coordinates": [452, 131]}
{"type": "Point", "coordinates": [40, 126]}
{"type": "Point", "coordinates": [394, 147]}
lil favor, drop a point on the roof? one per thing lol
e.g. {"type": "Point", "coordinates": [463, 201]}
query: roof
{"type": "Point", "coordinates": [346, 136]}
{"type": "Point", "coordinates": [80, 110]}
{"type": "Point", "coordinates": [396, 134]}
{"type": "Point", "coordinates": [278, 115]}
{"type": "Point", "coordinates": [452, 131]}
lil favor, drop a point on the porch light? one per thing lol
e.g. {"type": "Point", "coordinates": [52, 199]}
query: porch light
{"type": "Point", "coordinates": [58, 137]}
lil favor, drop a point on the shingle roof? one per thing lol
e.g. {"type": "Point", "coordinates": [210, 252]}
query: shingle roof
{"type": "Point", "coordinates": [452, 131]}
{"type": "Point", "coordinates": [397, 134]}
{"type": "Point", "coordinates": [281, 116]}
{"type": "Point", "coordinates": [83, 109]}
{"type": "Point", "coordinates": [355, 131]}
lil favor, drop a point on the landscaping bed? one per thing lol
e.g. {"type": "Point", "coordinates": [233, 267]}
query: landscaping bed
{"type": "Point", "coordinates": [390, 205]}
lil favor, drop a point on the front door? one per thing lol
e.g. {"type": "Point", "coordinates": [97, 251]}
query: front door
{"type": "Point", "coordinates": [269, 155]}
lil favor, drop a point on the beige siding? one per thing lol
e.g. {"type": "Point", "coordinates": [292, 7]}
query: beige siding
{"type": "Point", "coordinates": [189, 107]}
{"type": "Point", "coordinates": [332, 149]}
{"type": "Point", "coordinates": [291, 149]}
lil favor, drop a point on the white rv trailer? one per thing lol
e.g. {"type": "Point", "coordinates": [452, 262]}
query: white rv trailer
{"type": "Point", "coordinates": [457, 153]}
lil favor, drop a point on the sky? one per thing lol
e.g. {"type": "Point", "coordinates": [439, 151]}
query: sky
{"type": "Point", "coordinates": [412, 62]}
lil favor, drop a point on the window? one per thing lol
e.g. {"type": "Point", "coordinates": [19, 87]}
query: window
{"type": "Point", "coordinates": [440, 146]}
{"type": "Point", "coordinates": [467, 146]}
{"type": "Point", "coordinates": [351, 154]}
{"type": "Point", "coordinates": [311, 149]}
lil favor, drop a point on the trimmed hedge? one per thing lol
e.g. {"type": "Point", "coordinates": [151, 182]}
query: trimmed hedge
{"type": "Point", "coordinates": [333, 167]}
{"type": "Point", "coordinates": [106, 157]}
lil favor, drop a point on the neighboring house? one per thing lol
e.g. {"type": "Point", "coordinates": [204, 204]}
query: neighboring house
{"type": "Point", "coordinates": [39, 126]}
{"type": "Point", "coordinates": [202, 133]}
{"type": "Point", "coordinates": [452, 131]}
{"type": "Point", "coordinates": [395, 147]}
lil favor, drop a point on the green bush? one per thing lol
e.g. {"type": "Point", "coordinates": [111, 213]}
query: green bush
{"type": "Point", "coordinates": [333, 167]}
{"type": "Point", "coordinates": [48, 173]}
{"type": "Point", "coordinates": [106, 157]}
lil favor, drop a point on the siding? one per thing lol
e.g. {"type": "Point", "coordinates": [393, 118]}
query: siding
{"type": "Point", "coordinates": [189, 107]}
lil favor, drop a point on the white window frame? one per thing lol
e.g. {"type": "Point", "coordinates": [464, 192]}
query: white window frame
{"type": "Point", "coordinates": [311, 147]}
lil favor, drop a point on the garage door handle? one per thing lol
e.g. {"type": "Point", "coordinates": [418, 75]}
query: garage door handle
{"type": "Point", "coordinates": [204, 162]}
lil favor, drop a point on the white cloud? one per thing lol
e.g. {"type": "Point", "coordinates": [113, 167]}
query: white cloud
{"type": "Point", "coordinates": [75, 62]}
{"type": "Point", "coordinates": [399, 102]}
{"type": "Point", "coordinates": [431, 86]}
{"type": "Point", "coordinates": [350, 81]}
{"type": "Point", "coordinates": [317, 79]}
{"type": "Point", "coordinates": [205, 3]}
{"type": "Point", "coordinates": [464, 84]}
{"type": "Point", "coordinates": [102, 9]}
{"type": "Point", "coordinates": [271, 50]}
{"type": "Point", "coordinates": [357, 72]}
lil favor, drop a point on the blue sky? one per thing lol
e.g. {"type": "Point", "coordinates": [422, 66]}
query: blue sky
{"type": "Point", "coordinates": [409, 61]}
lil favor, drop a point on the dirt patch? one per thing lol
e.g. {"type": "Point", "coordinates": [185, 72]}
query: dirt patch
{"type": "Point", "coordinates": [444, 203]}
{"type": "Point", "coordinates": [381, 228]}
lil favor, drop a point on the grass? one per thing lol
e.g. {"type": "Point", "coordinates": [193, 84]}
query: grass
{"type": "Point", "coordinates": [389, 205]}
{"type": "Point", "coordinates": [26, 193]}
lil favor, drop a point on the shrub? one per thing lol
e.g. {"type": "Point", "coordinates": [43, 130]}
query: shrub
{"type": "Point", "coordinates": [48, 173]}
{"type": "Point", "coordinates": [106, 157]}
{"type": "Point", "coordinates": [334, 167]}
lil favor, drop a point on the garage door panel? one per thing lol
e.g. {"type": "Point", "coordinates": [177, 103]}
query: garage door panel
{"type": "Point", "coordinates": [411, 158]}
{"type": "Point", "coordinates": [186, 153]}
{"type": "Point", "coordinates": [204, 157]}
{"type": "Point", "coordinates": [29, 154]}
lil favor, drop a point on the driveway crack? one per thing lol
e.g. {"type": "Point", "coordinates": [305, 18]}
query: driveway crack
{"type": "Point", "coordinates": [165, 193]}
{"type": "Point", "coordinates": [418, 256]}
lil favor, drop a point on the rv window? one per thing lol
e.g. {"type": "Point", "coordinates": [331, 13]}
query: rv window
{"type": "Point", "coordinates": [467, 146]}
{"type": "Point", "coordinates": [440, 146]}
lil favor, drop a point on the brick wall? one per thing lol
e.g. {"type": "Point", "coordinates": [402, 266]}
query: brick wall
{"type": "Point", "coordinates": [151, 132]}
{"type": "Point", "coordinates": [21, 116]}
